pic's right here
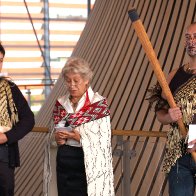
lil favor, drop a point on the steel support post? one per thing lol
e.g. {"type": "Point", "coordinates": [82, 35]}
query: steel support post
{"type": "Point", "coordinates": [126, 168]}
{"type": "Point", "coordinates": [47, 73]}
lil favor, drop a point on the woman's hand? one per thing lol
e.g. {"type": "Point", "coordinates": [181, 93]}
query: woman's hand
{"type": "Point", "coordinates": [61, 136]}
{"type": "Point", "coordinates": [71, 135]}
{"type": "Point", "coordinates": [3, 138]}
{"type": "Point", "coordinates": [75, 135]}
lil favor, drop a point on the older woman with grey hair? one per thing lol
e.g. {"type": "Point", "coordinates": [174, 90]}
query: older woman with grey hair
{"type": "Point", "coordinates": [83, 135]}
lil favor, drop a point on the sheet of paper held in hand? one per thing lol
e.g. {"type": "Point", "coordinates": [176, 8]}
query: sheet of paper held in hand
{"type": "Point", "coordinates": [63, 128]}
{"type": "Point", "coordinates": [192, 134]}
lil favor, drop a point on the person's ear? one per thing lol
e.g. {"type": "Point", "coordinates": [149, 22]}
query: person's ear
{"type": "Point", "coordinates": [86, 82]}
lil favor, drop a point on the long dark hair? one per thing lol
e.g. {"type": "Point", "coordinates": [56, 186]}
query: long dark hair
{"type": "Point", "coordinates": [2, 50]}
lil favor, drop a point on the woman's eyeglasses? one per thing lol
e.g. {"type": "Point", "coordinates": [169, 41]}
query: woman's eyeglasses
{"type": "Point", "coordinates": [72, 82]}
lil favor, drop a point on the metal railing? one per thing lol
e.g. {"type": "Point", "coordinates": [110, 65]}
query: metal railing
{"type": "Point", "coordinates": [28, 88]}
{"type": "Point", "coordinates": [140, 133]}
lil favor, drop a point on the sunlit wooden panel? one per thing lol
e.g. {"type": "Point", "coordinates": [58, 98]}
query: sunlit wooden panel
{"type": "Point", "coordinates": [27, 71]}
{"type": "Point", "coordinates": [63, 5]}
{"type": "Point", "coordinates": [65, 32]}
{"type": "Point", "coordinates": [16, 48]}
{"type": "Point", "coordinates": [63, 43]}
{"type": "Point", "coordinates": [20, 31]}
{"type": "Point", "coordinates": [40, 31]}
{"type": "Point", "coordinates": [32, 70]}
{"type": "Point", "coordinates": [40, 4]}
{"type": "Point", "coordinates": [23, 59]}
{"type": "Point", "coordinates": [26, 78]}
{"type": "Point", "coordinates": [20, 24]}
{"type": "Point", "coordinates": [36, 49]}
{"type": "Point", "coordinates": [21, 16]}
{"type": "Point", "coordinates": [67, 25]}
{"type": "Point", "coordinates": [21, 3]}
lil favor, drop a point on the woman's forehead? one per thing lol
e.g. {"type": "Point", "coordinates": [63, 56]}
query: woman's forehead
{"type": "Point", "coordinates": [72, 75]}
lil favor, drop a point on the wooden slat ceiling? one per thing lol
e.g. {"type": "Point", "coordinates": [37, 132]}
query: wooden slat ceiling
{"type": "Point", "coordinates": [63, 27]}
{"type": "Point", "coordinates": [122, 73]}
{"type": "Point", "coordinates": [40, 31]}
{"type": "Point", "coordinates": [38, 4]}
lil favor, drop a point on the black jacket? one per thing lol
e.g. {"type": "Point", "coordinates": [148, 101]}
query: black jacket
{"type": "Point", "coordinates": [21, 128]}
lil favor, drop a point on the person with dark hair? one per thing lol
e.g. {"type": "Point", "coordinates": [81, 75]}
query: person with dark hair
{"type": "Point", "coordinates": [178, 162]}
{"type": "Point", "coordinates": [16, 120]}
{"type": "Point", "coordinates": [2, 50]}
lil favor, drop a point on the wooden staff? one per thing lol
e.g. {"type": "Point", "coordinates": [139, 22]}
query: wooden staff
{"type": "Point", "coordinates": [143, 37]}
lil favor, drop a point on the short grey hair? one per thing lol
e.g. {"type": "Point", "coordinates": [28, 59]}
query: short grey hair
{"type": "Point", "coordinates": [78, 66]}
